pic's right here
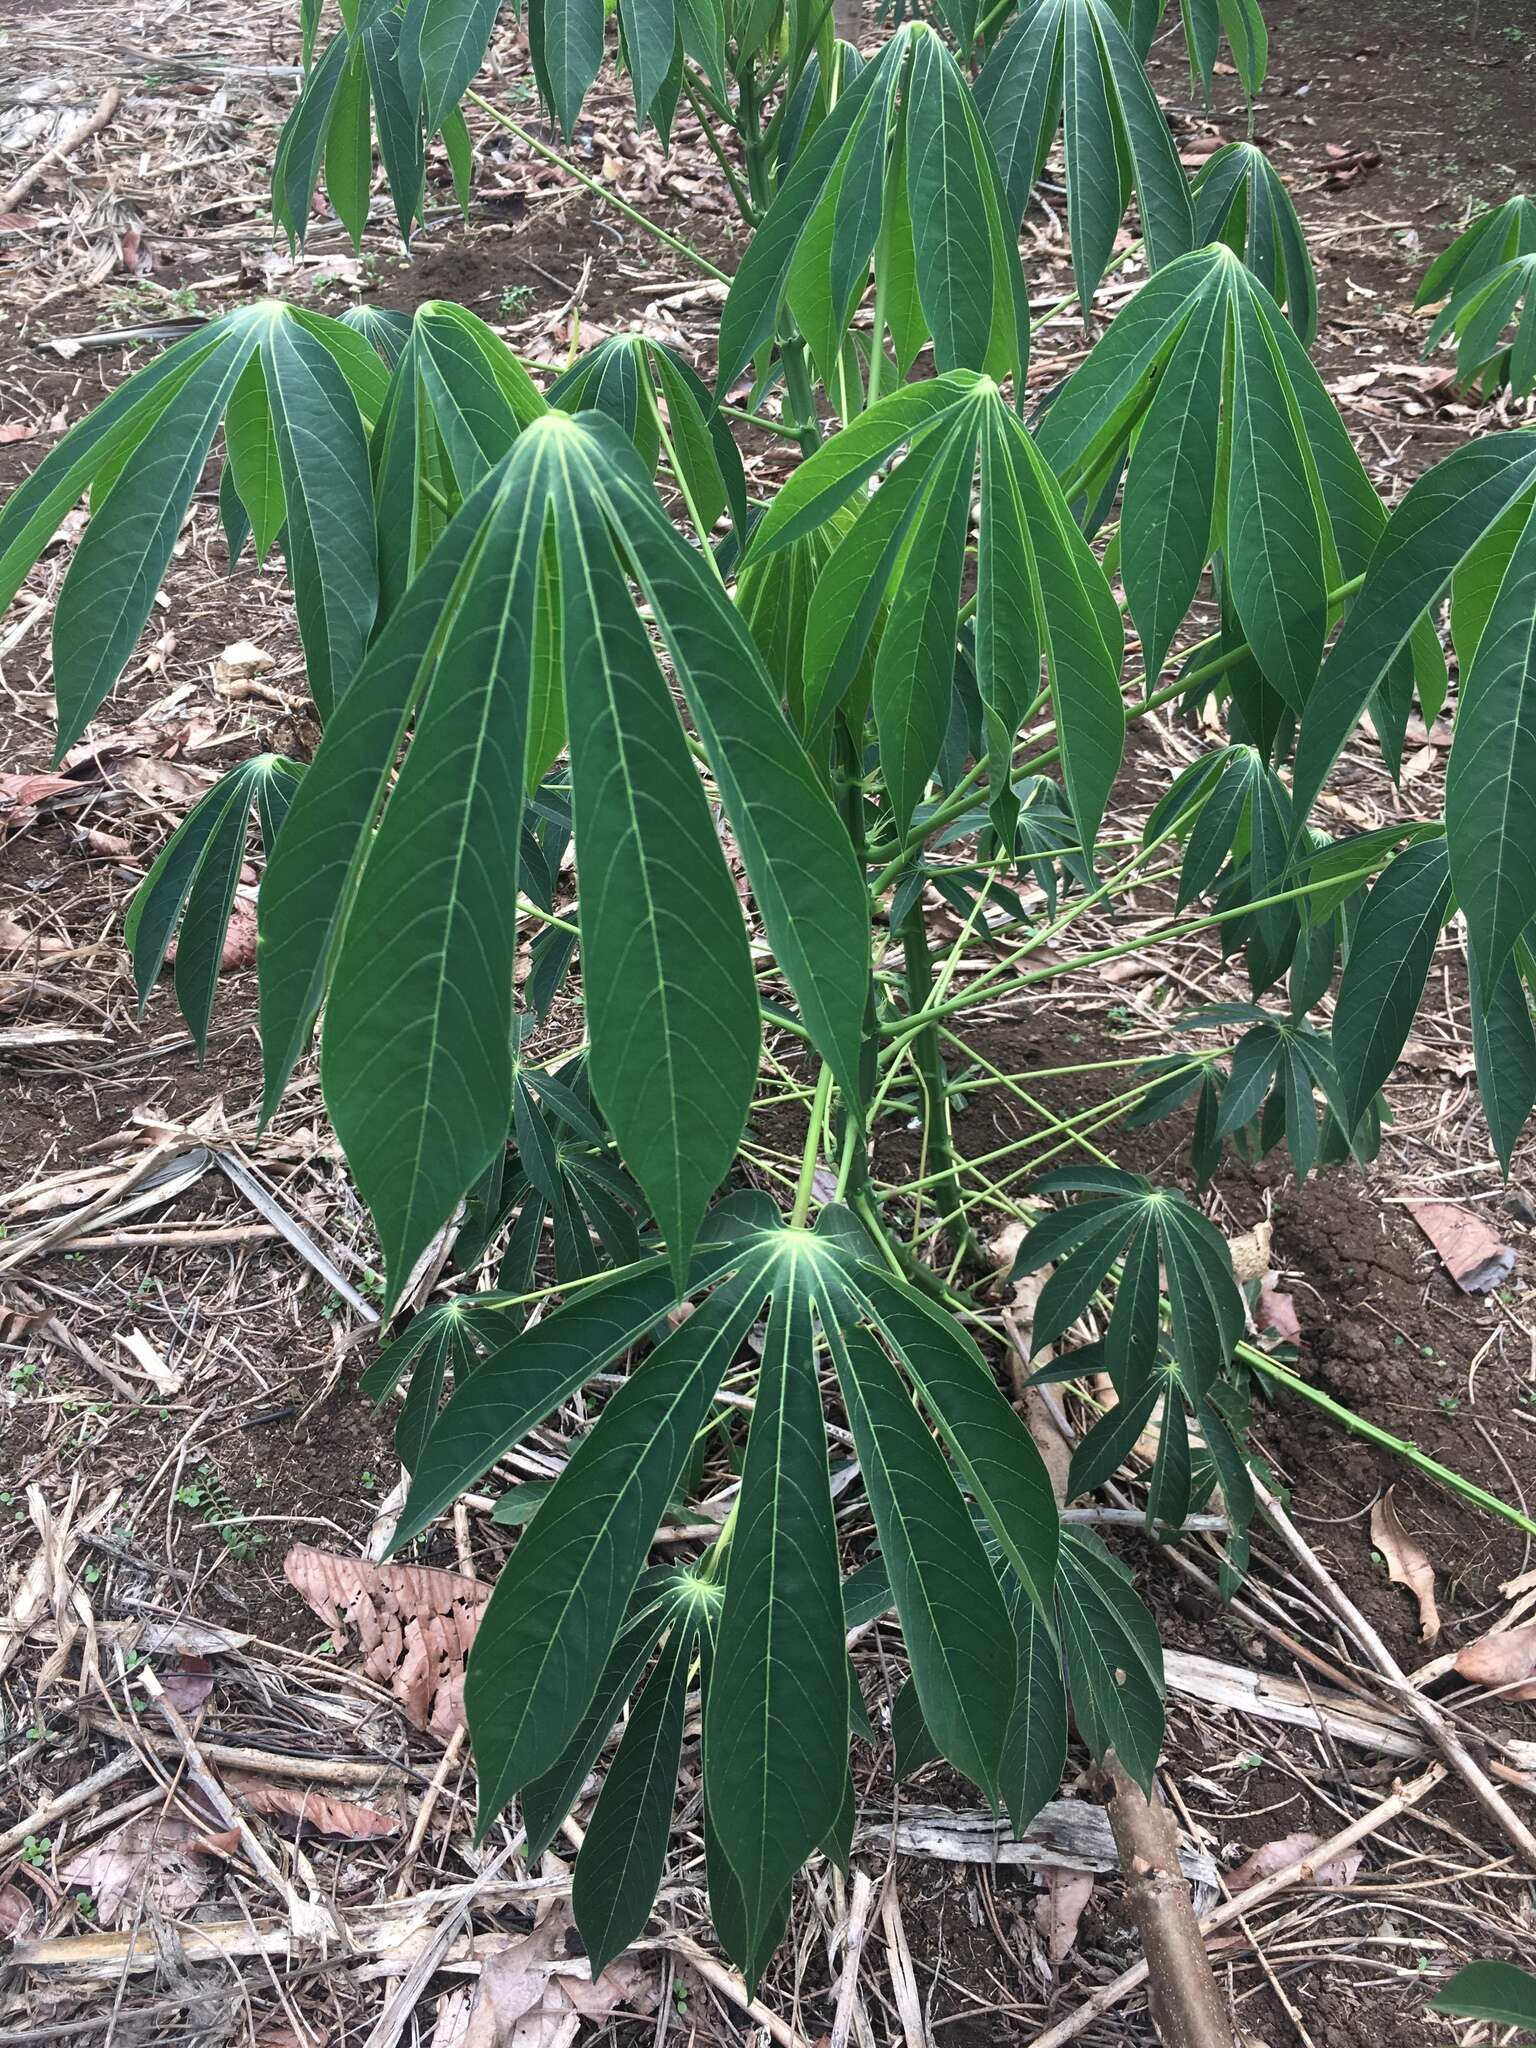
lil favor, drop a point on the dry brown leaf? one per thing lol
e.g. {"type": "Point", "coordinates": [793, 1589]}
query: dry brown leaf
{"type": "Point", "coordinates": [532, 1995]}
{"type": "Point", "coordinates": [1504, 1662]}
{"type": "Point", "coordinates": [187, 1683]}
{"type": "Point", "coordinates": [279, 1801]}
{"type": "Point", "coordinates": [1276, 1312]}
{"type": "Point", "coordinates": [164, 784]}
{"type": "Point", "coordinates": [164, 1858]}
{"type": "Point", "coordinates": [1273, 1856]}
{"type": "Point", "coordinates": [1475, 1259]}
{"type": "Point", "coordinates": [16, 430]}
{"type": "Point", "coordinates": [15, 938]}
{"type": "Point", "coordinates": [17, 1913]}
{"type": "Point", "coordinates": [1059, 1908]}
{"type": "Point", "coordinates": [281, 2035]}
{"type": "Point", "coordinates": [1407, 1563]}
{"type": "Point", "coordinates": [414, 1626]}
{"type": "Point", "coordinates": [35, 788]}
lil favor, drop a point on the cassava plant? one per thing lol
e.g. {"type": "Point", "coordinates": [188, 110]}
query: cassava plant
{"type": "Point", "coordinates": [539, 621]}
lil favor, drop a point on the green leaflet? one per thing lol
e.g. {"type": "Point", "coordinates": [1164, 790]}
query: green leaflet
{"type": "Point", "coordinates": [1493, 1991]}
{"type": "Point", "coordinates": [416, 1060]}
{"type": "Point", "coordinates": [546, 1631]}
{"type": "Point", "coordinates": [313, 873]}
{"type": "Point", "coordinates": [915, 661]}
{"type": "Point", "coordinates": [667, 975]}
{"type": "Point", "coordinates": [953, 1616]}
{"type": "Point", "coordinates": [1240, 199]}
{"type": "Point", "coordinates": [991, 1447]}
{"type": "Point", "coordinates": [619, 1869]}
{"type": "Point", "coordinates": [254, 469]}
{"type": "Point", "coordinates": [547, 1799]}
{"type": "Point", "coordinates": [349, 147]}
{"type": "Point", "coordinates": [1114, 1660]}
{"type": "Point", "coordinates": [442, 46]}
{"type": "Point", "coordinates": [1437, 528]}
{"type": "Point", "coordinates": [1242, 23]}
{"type": "Point", "coordinates": [124, 551]}
{"type": "Point", "coordinates": [793, 844]}
{"type": "Point", "coordinates": [1490, 790]}
{"type": "Point", "coordinates": [1072, 60]}
{"type": "Point", "coordinates": [1035, 1749]}
{"type": "Point", "coordinates": [778, 1691]}
{"type": "Point", "coordinates": [1504, 1047]}
{"type": "Point", "coordinates": [328, 498]}
{"type": "Point", "coordinates": [908, 111]}
{"type": "Point", "coordinates": [1389, 957]}
{"type": "Point", "coordinates": [196, 873]}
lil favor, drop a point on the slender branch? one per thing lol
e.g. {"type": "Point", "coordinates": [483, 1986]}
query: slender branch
{"type": "Point", "coordinates": [574, 170]}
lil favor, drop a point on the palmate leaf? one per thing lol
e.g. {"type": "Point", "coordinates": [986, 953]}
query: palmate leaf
{"type": "Point", "coordinates": [445, 1342]}
{"type": "Point", "coordinates": [1236, 450]}
{"type": "Point", "coordinates": [1124, 1218]}
{"type": "Point", "coordinates": [415, 926]}
{"type": "Point", "coordinates": [890, 172]}
{"type": "Point", "coordinates": [1041, 597]}
{"type": "Point", "coordinates": [298, 393]}
{"type": "Point", "coordinates": [569, 1628]}
{"type": "Point", "coordinates": [1277, 1064]}
{"type": "Point", "coordinates": [1240, 199]}
{"type": "Point", "coordinates": [196, 874]}
{"type": "Point", "coordinates": [1476, 319]}
{"type": "Point", "coordinates": [1482, 276]}
{"type": "Point", "coordinates": [1072, 59]}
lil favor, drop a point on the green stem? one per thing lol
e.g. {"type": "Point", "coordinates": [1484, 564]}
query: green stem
{"type": "Point", "coordinates": [555, 156]}
{"type": "Point", "coordinates": [802, 395]}
{"type": "Point", "coordinates": [804, 1187]}
{"type": "Point", "coordinates": [932, 1079]}
{"type": "Point", "coordinates": [1357, 1425]}
{"type": "Point", "coordinates": [978, 993]}
{"type": "Point", "coordinates": [959, 801]}
{"type": "Point", "coordinates": [744, 206]}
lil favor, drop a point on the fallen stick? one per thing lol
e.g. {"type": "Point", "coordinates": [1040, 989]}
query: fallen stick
{"type": "Point", "coordinates": [384, 1939]}
{"type": "Point", "coordinates": [1108, 1996]}
{"type": "Point", "coordinates": [1066, 1834]}
{"type": "Point", "coordinates": [852, 1934]}
{"type": "Point", "coordinates": [1188, 2010]}
{"type": "Point", "coordinates": [71, 139]}
{"type": "Point", "coordinates": [361, 1772]}
{"type": "Point", "coordinates": [1414, 1703]}
{"type": "Point", "coordinates": [54, 1809]}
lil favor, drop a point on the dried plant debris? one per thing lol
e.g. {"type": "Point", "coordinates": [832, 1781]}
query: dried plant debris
{"type": "Point", "coordinates": [413, 1626]}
